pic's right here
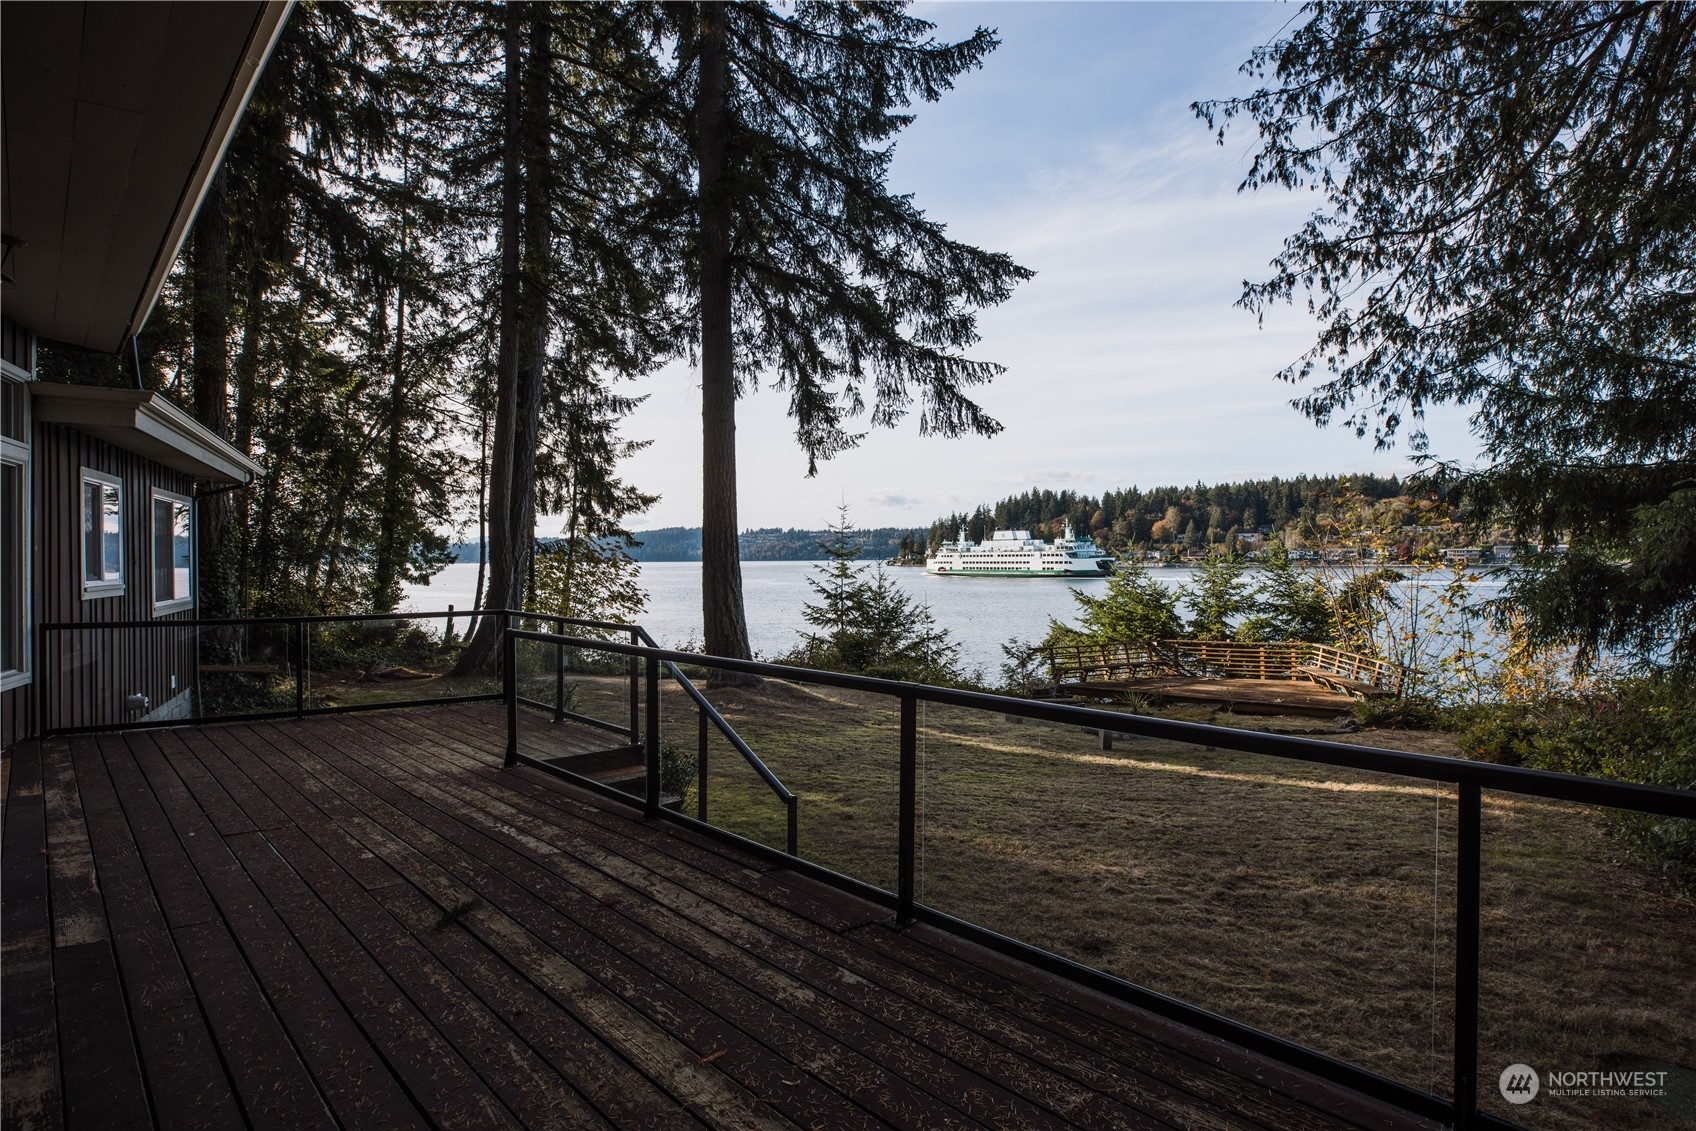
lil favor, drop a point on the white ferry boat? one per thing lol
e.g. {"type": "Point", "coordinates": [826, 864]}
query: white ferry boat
{"type": "Point", "coordinates": [1014, 553]}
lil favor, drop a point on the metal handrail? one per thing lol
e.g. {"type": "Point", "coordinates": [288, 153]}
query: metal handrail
{"type": "Point", "coordinates": [1657, 800]}
{"type": "Point", "coordinates": [1472, 778]}
{"type": "Point", "coordinates": [298, 651]}
{"type": "Point", "coordinates": [708, 712]}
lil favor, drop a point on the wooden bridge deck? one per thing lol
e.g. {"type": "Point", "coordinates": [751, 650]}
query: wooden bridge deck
{"type": "Point", "coordinates": [363, 921]}
{"type": "Point", "coordinates": [1244, 696]}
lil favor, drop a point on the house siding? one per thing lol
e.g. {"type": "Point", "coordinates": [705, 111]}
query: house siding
{"type": "Point", "coordinates": [17, 345]}
{"type": "Point", "coordinates": [84, 678]}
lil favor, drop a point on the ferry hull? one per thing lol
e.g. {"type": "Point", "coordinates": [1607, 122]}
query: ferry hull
{"type": "Point", "coordinates": [949, 571]}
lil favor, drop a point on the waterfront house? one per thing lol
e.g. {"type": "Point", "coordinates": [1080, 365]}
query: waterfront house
{"type": "Point", "coordinates": [420, 917]}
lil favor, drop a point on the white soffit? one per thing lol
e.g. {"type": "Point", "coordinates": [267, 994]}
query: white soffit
{"type": "Point", "coordinates": [146, 424]}
{"type": "Point", "coordinates": [116, 117]}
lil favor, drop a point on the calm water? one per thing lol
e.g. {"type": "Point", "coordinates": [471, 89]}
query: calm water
{"type": "Point", "coordinates": [981, 613]}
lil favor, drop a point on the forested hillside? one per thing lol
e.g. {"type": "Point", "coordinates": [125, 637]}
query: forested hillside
{"type": "Point", "coordinates": [772, 544]}
{"type": "Point", "coordinates": [1198, 516]}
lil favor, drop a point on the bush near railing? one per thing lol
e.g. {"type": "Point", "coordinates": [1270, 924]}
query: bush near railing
{"type": "Point", "coordinates": [1638, 730]}
{"type": "Point", "coordinates": [363, 644]}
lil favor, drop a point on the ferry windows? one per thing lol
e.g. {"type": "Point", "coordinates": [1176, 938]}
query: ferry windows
{"type": "Point", "coordinates": [173, 552]}
{"type": "Point", "coordinates": [102, 535]}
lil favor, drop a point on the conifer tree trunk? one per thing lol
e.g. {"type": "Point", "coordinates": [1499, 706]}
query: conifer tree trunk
{"type": "Point", "coordinates": [726, 627]}
{"type": "Point", "coordinates": [209, 269]}
{"type": "Point", "coordinates": [482, 651]}
{"type": "Point", "coordinates": [385, 595]}
{"type": "Point", "coordinates": [247, 394]}
{"type": "Point", "coordinates": [482, 513]}
{"type": "Point", "coordinates": [535, 283]}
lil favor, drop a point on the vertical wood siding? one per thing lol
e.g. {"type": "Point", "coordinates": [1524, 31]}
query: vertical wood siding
{"type": "Point", "coordinates": [17, 345]}
{"type": "Point", "coordinates": [85, 677]}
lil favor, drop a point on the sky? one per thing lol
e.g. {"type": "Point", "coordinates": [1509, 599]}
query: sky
{"type": "Point", "coordinates": [1127, 361]}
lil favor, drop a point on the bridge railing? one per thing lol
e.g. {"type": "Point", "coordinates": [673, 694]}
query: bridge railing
{"type": "Point", "coordinates": [1336, 668]}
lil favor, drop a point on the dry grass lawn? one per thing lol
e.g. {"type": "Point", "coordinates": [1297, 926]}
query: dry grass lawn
{"type": "Point", "coordinates": [1312, 902]}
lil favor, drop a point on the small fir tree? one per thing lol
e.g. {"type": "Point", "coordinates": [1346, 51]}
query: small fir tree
{"type": "Point", "coordinates": [1135, 608]}
{"type": "Point", "coordinates": [866, 624]}
{"type": "Point", "coordinates": [1290, 604]}
{"type": "Point", "coordinates": [1219, 599]}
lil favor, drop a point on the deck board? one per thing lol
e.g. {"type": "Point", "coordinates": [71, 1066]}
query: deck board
{"type": "Point", "coordinates": [1244, 696]}
{"type": "Point", "coordinates": [368, 922]}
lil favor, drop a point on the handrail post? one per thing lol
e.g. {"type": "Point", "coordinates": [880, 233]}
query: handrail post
{"type": "Point", "coordinates": [794, 832]}
{"type": "Point", "coordinates": [299, 668]}
{"type": "Point", "coordinates": [559, 683]}
{"type": "Point", "coordinates": [652, 739]}
{"type": "Point", "coordinates": [1469, 866]}
{"type": "Point", "coordinates": [635, 713]}
{"type": "Point", "coordinates": [909, 808]}
{"type": "Point", "coordinates": [701, 764]}
{"type": "Point", "coordinates": [509, 691]}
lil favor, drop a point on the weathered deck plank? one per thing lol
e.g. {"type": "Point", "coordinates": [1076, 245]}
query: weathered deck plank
{"type": "Point", "coordinates": [1244, 696]}
{"type": "Point", "coordinates": [367, 922]}
{"type": "Point", "coordinates": [29, 1055]}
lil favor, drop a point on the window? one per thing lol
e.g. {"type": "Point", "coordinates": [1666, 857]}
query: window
{"type": "Point", "coordinates": [173, 552]}
{"type": "Point", "coordinates": [102, 535]}
{"type": "Point", "coordinates": [14, 530]}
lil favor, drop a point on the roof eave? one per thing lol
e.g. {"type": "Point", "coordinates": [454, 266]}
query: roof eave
{"type": "Point", "coordinates": [148, 425]}
{"type": "Point", "coordinates": [267, 29]}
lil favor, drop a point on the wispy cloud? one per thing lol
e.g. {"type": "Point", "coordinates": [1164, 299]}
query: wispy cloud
{"type": "Point", "coordinates": [893, 499]}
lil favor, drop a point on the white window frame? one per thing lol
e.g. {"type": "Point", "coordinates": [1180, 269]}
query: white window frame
{"type": "Point", "coordinates": [176, 604]}
{"type": "Point", "coordinates": [106, 587]}
{"type": "Point", "coordinates": [17, 454]}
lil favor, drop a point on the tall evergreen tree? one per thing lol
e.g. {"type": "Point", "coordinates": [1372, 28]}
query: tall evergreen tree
{"type": "Point", "coordinates": [803, 266]}
{"type": "Point", "coordinates": [1508, 225]}
{"type": "Point", "coordinates": [578, 295]}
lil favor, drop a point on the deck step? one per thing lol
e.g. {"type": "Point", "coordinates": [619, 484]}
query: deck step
{"type": "Point", "coordinates": [593, 763]}
{"type": "Point", "coordinates": [622, 774]}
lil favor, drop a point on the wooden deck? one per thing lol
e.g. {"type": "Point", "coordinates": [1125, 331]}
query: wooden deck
{"type": "Point", "coordinates": [363, 921]}
{"type": "Point", "coordinates": [1244, 696]}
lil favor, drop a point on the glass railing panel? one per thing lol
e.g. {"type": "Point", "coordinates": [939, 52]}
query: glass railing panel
{"type": "Point", "coordinates": [837, 750]}
{"type": "Point", "coordinates": [242, 669]}
{"type": "Point", "coordinates": [574, 714]}
{"type": "Point", "coordinates": [384, 660]}
{"type": "Point", "coordinates": [1587, 969]}
{"type": "Point", "coordinates": [1310, 902]}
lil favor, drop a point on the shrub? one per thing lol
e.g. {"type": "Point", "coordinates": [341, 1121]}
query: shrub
{"type": "Point", "coordinates": [1639, 730]}
{"type": "Point", "coordinates": [677, 770]}
{"type": "Point", "coordinates": [1403, 713]}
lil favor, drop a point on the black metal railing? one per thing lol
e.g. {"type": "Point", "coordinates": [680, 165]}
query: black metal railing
{"type": "Point", "coordinates": [1471, 778]}
{"type": "Point", "coordinates": [101, 676]}
{"type": "Point", "coordinates": [708, 716]}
